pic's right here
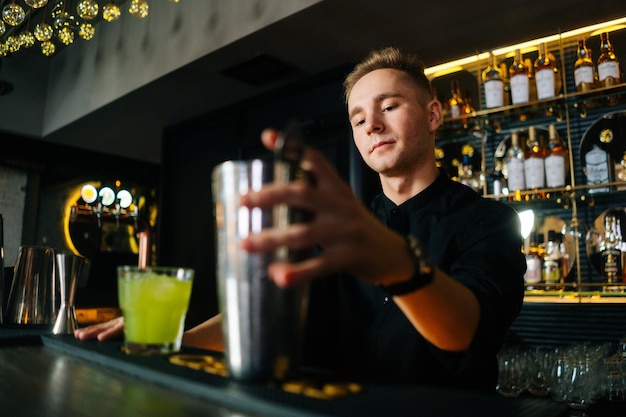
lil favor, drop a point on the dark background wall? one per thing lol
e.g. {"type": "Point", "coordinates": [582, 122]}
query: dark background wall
{"type": "Point", "coordinates": [48, 165]}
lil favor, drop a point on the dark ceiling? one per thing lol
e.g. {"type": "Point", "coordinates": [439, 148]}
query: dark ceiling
{"type": "Point", "coordinates": [329, 35]}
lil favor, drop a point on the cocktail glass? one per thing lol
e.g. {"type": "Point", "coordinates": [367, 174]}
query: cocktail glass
{"type": "Point", "coordinates": [154, 302]}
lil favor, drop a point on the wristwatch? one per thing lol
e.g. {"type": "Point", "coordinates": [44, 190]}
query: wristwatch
{"type": "Point", "coordinates": [424, 271]}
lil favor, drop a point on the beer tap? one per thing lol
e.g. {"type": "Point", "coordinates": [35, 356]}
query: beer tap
{"type": "Point", "coordinates": [98, 211]}
{"type": "Point", "coordinates": [116, 212]}
{"type": "Point", "coordinates": [134, 214]}
{"type": "Point", "coordinates": [107, 206]}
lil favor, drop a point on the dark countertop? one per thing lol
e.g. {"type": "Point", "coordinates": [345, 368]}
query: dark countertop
{"type": "Point", "coordinates": [42, 374]}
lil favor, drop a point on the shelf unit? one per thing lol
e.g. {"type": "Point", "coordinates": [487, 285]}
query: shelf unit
{"type": "Point", "coordinates": [572, 112]}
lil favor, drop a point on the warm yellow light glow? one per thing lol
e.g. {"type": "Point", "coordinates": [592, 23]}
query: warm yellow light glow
{"type": "Point", "coordinates": [72, 197]}
{"type": "Point", "coordinates": [608, 29]}
{"type": "Point", "coordinates": [88, 193]}
{"type": "Point", "coordinates": [609, 26]}
{"type": "Point", "coordinates": [445, 71]}
{"type": "Point", "coordinates": [133, 243]}
{"type": "Point", "coordinates": [525, 47]}
{"type": "Point", "coordinates": [453, 66]}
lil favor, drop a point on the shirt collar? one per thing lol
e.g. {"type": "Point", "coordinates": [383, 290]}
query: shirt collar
{"type": "Point", "coordinates": [436, 188]}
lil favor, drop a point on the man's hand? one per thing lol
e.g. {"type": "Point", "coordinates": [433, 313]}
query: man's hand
{"type": "Point", "coordinates": [109, 330]}
{"type": "Point", "coordinates": [351, 238]}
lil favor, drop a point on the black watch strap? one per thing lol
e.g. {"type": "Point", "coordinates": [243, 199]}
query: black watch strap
{"type": "Point", "coordinates": [424, 271]}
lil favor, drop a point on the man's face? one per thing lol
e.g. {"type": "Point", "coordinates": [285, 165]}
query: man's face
{"type": "Point", "coordinates": [391, 129]}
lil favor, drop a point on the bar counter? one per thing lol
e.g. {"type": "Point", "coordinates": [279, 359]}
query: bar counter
{"type": "Point", "coordinates": [47, 375]}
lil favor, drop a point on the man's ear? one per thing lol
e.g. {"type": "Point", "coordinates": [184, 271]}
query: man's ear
{"type": "Point", "coordinates": [435, 114]}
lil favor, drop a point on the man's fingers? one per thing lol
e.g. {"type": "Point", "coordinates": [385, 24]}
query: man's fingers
{"type": "Point", "coordinates": [102, 331]}
{"type": "Point", "coordinates": [269, 138]}
{"type": "Point", "coordinates": [112, 332]}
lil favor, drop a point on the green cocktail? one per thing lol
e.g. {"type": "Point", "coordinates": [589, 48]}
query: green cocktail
{"type": "Point", "coordinates": [154, 302]}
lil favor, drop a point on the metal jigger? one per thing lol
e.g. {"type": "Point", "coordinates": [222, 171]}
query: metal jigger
{"type": "Point", "coordinates": [68, 269]}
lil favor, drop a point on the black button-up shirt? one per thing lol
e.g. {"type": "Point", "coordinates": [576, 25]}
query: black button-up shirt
{"type": "Point", "coordinates": [356, 328]}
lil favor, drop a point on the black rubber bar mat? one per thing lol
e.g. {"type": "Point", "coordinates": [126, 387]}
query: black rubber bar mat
{"type": "Point", "coordinates": [19, 335]}
{"type": "Point", "coordinates": [309, 396]}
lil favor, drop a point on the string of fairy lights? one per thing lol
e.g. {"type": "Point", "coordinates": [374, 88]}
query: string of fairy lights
{"type": "Point", "coordinates": [55, 24]}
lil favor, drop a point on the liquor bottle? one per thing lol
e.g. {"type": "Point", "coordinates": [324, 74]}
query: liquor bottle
{"type": "Point", "coordinates": [544, 74]}
{"type": "Point", "coordinates": [566, 261]}
{"type": "Point", "coordinates": [551, 271]}
{"type": "Point", "coordinates": [541, 245]}
{"type": "Point", "coordinates": [519, 80]}
{"type": "Point", "coordinates": [597, 169]}
{"type": "Point", "coordinates": [608, 65]}
{"type": "Point", "coordinates": [493, 84]}
{"type": "Point", "coordinates": [514, 168]}
{"type": "Point", "coordinates": [498, 179]}
{"type": "Point", "coordinates": [558, 81]}
{"type": "Point", "coordinates": [584, 71]}
{"type": "Point", "coordinates": [556, 162]}
{"type": "Point", "coordinates": [534, 263]}
{"type": "Point", "coordinates": [532, 85]}
{"type": "Point", "coordinates": [455, 103]}
{"type": "Point", "coordinates": [534, 161]}
{"type": "Point", "coordinates": [467, 109]}
{"type": "Point", "coordinates": [466, 172]}
{"type": "Point", "coordinates": [507, 83]}
{"type": "Point", "coordinates": [611, 255]}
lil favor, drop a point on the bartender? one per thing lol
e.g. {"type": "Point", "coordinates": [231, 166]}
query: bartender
{"type": "Point", "coordinates": [422, 287]}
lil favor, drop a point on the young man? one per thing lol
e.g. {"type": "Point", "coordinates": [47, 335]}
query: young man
{"type": "Point", "coordinates": [428, 281]}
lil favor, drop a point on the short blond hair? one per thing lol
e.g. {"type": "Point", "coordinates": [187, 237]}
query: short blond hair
{"type": "Point", "coordinates": [390, 58]}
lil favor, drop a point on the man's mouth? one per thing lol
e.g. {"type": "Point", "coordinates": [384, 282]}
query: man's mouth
{"type": "Point", "coordinates": [380, 144]}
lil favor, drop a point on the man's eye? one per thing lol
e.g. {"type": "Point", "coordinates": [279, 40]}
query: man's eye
{"type": "Point", "coordinates": [359, 122]}
{"type": "Point", "coordinates": [388, 108]}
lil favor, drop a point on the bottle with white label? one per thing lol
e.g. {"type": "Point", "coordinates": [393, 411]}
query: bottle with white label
{"type": "Point", "coordinates": [514, 167]}
{"type": "Point", "coordinates": [519, 80]}
{"type": "Point", "coordinates": [534, 161]}
{"type": "Point", "coordinates": [608, 65]}
{"type": "Point", "coordinates": [455, 103]}
{"type": "Point", "coordinates": [493, 83]}
{"type": "Point", "coordinates": [551, 271]}
{"type": "Point", "coordinates": [584, 71]}
{"type": "Point", "coordinates": [556, 162]}
{"type": "Point", "coordinates": [597, 169]}
{"type": "Point", "coordinates": [544, 74]}
{"type": "Point", "coordinates": [534, 263]}
{"type": "Point", "coordinates": [498, 179]}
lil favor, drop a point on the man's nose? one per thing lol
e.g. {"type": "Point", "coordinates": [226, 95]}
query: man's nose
{"type": "Point", "coordinates": [374, 125]}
